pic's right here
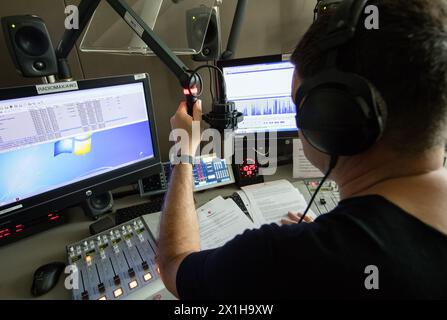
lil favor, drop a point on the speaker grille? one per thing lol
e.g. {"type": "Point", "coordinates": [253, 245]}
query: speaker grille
{"type": "Point", "coordinates": [32, 41]}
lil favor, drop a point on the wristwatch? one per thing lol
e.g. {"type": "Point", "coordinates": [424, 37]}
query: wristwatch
{"type": "Point", "coordinates": [183, 159]}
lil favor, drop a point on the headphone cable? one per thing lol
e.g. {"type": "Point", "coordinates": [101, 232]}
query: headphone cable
{"type": "Point", "coordinates": [332, 164]}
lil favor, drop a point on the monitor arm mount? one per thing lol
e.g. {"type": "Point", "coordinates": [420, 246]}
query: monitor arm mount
{"type": "Point", "coordinates": [224, 114]}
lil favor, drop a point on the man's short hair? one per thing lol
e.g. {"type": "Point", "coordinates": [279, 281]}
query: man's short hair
{"type": "Point", "coordinates": [405, 59]}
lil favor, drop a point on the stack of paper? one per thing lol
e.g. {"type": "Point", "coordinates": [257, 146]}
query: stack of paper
{"type": "Point", "coordinates": [220, 221]}
{"type": "Point", "coordinates": [272, 201]}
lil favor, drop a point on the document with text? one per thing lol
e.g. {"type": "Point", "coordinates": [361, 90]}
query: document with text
{"type": "Point", "coordinates": [302, 168]}
{"type": "Point", "coordinates": [271, 201]}
{"type": "Point", "coordinates": [220, 221]}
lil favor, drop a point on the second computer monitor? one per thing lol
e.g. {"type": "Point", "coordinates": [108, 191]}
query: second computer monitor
{"type": "Point", "coordinates": [261, 88]}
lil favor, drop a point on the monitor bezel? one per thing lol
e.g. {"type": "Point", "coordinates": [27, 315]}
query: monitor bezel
{"type": "Point", "coordinates": [283, 135]}
{"type": "Point", "coordinates": [75, 193]}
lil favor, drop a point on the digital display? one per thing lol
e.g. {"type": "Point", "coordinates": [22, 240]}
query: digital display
{"type": "Point", "coordinates": [247, 173]}
{"type": "Point", "coordinates": [249, 169]}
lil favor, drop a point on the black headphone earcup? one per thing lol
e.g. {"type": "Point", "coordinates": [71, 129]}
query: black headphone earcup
{"type": "Point", "coordinates": [337, 114]}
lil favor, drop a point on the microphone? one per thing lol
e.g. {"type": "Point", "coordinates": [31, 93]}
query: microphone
{"type": "Point", "coordinates": [223, 115]}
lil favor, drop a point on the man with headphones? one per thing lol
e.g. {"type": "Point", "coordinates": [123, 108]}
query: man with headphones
{"type": "Point", "coordinates": [372, 112]}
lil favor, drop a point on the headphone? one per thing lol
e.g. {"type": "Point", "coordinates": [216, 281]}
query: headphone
{"type": "Point", "coordinates": [338, 112]}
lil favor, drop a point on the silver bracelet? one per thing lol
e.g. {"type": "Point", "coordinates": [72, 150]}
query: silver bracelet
{"type": "Point", "coordinates": [183, 159]}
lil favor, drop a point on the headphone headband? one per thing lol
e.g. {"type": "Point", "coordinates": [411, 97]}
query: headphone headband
{"type": "Point", "coordinates": [343, 24]}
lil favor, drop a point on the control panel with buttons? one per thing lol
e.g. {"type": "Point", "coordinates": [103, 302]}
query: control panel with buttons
{"type": "Point", "coordinates": [117, 264]}
{"type": "Point", "coordinates": [326, 200]}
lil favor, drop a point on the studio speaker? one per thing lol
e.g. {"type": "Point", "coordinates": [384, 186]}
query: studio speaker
{"type": "Point", "coordinates": [197, 24]}
{"type": "Point", "coordinates": [30, 45]}
{"type": "Point", "coordinates": [98, 205]}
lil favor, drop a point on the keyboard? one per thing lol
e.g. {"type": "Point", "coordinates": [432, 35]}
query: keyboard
{"type": "Point", "coordinates": [133, 212]}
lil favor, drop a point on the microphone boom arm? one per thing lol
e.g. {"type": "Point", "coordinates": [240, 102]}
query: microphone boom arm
{"type": "Point", "coordinates": [187, 79]}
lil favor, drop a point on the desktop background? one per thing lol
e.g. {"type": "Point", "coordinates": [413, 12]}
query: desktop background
{"type": "Point", "coordinates": [40, 168]}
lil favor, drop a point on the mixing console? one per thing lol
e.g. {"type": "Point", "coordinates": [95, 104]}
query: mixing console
{"type": "Point", "coordinates": [118, 264]}
{"type": "Point", "coordinates": [326, 200]}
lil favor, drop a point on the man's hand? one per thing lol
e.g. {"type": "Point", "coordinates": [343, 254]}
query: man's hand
{"type": "Point", "coordinates": [294, 218]}
{"type": "Point", "coordinates": [183, 121]}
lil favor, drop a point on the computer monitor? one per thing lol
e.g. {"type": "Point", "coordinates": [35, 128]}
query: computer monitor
{"type": "Point", "coordinates": [62, 143]}
{"type": "Point", "coordinates": [261, 89]}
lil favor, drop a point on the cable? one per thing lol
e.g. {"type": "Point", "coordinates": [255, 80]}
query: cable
{"type": "Point", "coordinates": [211, 81]}
{"type": "Point", "coordinates": [260, 153]}
{"type": "Point", "coordinates": [332, 164]}
{"type": "Point", "coordinates": [195, 73]}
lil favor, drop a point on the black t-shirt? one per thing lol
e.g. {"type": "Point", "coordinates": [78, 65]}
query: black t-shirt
{"type": "Point", "coordinates": [364, 243]}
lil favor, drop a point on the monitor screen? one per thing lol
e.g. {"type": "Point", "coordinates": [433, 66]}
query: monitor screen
{"type": "Point", "coordinates": [261, 89]}
{"type": "Point", "coordinates": [92, 135]}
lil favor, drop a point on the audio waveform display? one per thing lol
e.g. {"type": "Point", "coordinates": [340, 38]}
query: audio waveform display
{"type": "Point", "coordinates": [266, 106]}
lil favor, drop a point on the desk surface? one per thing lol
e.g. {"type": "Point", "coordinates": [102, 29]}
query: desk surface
{"type": "Point", "coordinates": [19, 260]}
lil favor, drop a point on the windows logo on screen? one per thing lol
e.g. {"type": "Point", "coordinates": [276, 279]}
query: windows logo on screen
{"type": "Point", "coordinates": [78, 146]}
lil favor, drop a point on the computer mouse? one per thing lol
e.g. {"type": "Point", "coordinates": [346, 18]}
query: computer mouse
{"type": "Point", "coordinates": [46, 277]}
